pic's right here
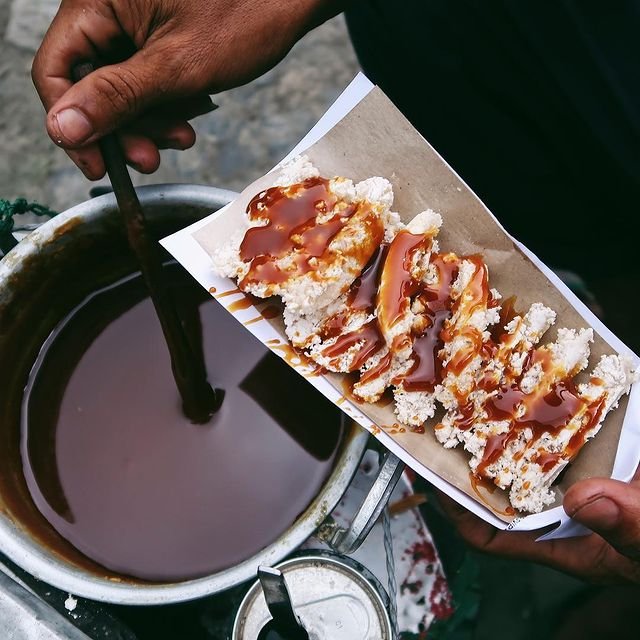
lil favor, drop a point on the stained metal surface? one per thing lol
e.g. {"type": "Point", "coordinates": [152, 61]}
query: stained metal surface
{"type": "Point", "coordinates": [97, 216]}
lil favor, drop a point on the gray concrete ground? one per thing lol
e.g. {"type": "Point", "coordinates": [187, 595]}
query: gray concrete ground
{"type": "Point", "coordinates": [254, 127]}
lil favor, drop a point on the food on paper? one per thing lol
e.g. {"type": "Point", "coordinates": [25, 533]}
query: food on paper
{"type": "Point", "coordinates": [367, 295]}
{"type": "Point", "coordinates": [307, 238]}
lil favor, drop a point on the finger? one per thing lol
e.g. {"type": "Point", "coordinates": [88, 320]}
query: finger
{"type": "Point", "coordinates": [112, 96]}
{"type": "Point", "coordinates": [75, 34]}
{"type": "Point", "coordinates": [610, 508]}
{"type": "Point", "coordinates": [181, 137]}
{"type": "Point", "coordinates": [476, 532]}
{"type": "Point", "coordinates": [165, 134]}
{"type": "Point", "coordinates": [589, 557]}
{"type": "Point", "coordinates": [89, 161]}
{"type": "Point", "coordinates": [141, 153]}
{"type": "Point", "coordinates": [183, 108]}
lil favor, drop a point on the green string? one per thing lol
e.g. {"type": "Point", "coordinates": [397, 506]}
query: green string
{"type": "Point", "coordinates": [19, 206]}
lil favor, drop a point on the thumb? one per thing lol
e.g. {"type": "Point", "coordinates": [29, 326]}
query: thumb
{"type": "Point", "coordinates": [610, 508]}
{"type": "Point", "coordinates": [112, 96]}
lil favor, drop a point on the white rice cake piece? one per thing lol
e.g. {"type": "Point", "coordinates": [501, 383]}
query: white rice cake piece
{"type": "Point", "coordinates": [346, 336]}
{"type": "Point", "coordinates": [546, 457]}
{"type": "Point", "coordinates": [412, 246]}
{"type": "Point", "coordinates": [303, 329]}
{"type": "Point", "coordinates": [341, 262]}
{"type": "Point", "coordinates": [376, 375]}
{"type": "Point", "coordinates": [414, 407]}
{"type": "Point", "coordinates": [521, 335]}
{"type": "Point", "coordinates": [467, 330]}
{"type": "Point", "coordinates": [552, 363]}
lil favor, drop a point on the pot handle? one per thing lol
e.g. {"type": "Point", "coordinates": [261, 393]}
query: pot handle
{"type": "Point", "coordinates": [347, 540]}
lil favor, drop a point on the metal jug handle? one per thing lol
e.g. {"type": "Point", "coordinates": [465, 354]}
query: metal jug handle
{"type": "Point", "coordinates": [347, 540]}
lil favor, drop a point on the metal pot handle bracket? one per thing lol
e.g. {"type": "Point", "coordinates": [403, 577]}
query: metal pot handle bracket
{"type": "Point", "coordinates": [347, 540]}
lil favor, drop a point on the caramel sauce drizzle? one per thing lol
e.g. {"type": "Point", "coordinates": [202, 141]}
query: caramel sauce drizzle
{"type": "Point", "coordinates": [371, 339]}
{"type": "Point", "coordinates": [378, 370]}
{"type": "Point", "coordinates": [361, 297]}
{"type": "Point", "coordinates": [593, 417]}
{"type": "Point", "coordinates": [478, 483]}
{"type": "Point", "coordinates": [239, 305]}
{"type": "Point", "coordinates": [475, 295]}
{"type": "Point", "coordinates": [386, 285]}
{"type": "Point", "coordinates": [292, 228]}
{"type": "Point", "coordinates": [426, 370]}
{"type": "Point", "coordinates": [231, 292]}
{"type": "Point", "coordinates": [542, 412]}
{"type": "Point", "coordinates": [397, 285]}
{"type": "Point", "coordinates": [349, 379]}
{"type": "Point", "coordinates": [269, 312]}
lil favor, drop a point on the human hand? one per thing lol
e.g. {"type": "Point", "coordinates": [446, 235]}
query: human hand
{"type": "Point", "coordinates": [161, 59]}
{"type": "Point", "coordinates": [610, 508]}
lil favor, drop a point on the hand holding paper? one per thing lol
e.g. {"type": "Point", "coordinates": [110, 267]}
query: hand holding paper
{"type": "Point", "coordinates": [611, 554]}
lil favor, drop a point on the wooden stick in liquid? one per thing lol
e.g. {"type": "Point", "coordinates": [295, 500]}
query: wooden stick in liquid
{"type": "Point", "coordinates": [199, 400]}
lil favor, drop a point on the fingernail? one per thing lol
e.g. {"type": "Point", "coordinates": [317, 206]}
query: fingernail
{"type": "Point", "coordinates": [601, 513]}
{"type": "Point", "coordinates": [73, 125]}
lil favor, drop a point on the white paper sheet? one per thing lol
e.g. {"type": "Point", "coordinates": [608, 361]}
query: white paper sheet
{"type": "Point", "coordinates": [192, 256]}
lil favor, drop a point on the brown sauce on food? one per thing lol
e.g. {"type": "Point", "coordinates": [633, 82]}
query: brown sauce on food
{"type": "Point", "coordinates": [378, 370]}
{"type": "Point", "coordinates": [591, 419]}
{"type": "Point", "coordinates": [476, 294]}
{"type": "Point", "coordinates": [398, 285]}
{"type": "Point", "coordinates": [118, 470]}
{"type": "Point", "coordinates": [426, 371]}
{"type": "Point", "coordinates": [547, 460]}
{"type": "Point", "coordinates": [493, 449]}
{"type": "Point", "coordinates": [361, 298]}
{"type": "Point", "coordinates": [542, 413]}
{"type": "Point", "coordinates": [371, 339]}
{"type": "Point", "coordinates": [463, 358]}
{"type": "Point", "coordinates": [240, 305]}
{"type": "Point", "coordinates": [291, 226]}
{"type": "Point", "coordinates": [225, 294]}
{"type": "Point", "coordinates": [363, 292]}
{"type": "Point", "coordinates": [507, 314]}
{"type": "Point", "coordinates": [554, 410]}
{"type": "Point", "coordinates": [487, 485]}
{"type": "Point", "coordinates": [466, 416]}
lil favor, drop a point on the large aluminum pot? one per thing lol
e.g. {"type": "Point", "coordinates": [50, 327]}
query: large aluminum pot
{"type": "Point", "coordinates": [71, 246]}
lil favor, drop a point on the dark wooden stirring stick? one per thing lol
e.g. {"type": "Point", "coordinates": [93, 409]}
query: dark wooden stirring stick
{"type": "Point", "coordinates": [199, 400]}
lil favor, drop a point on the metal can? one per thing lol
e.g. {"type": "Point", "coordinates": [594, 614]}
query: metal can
{"type": "Point", "coordinates": [334, 597]}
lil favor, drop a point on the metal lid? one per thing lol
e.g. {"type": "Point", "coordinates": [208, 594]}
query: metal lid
{"type": "Point", "coordinates": [335, 598]}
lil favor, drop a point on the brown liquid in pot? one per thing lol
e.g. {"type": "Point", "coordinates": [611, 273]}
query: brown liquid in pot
{"type": "Point", "coordinates": [117, 469]}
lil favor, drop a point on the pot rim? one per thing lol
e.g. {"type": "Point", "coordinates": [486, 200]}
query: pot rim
{"type": "Point", "coordinates": [46, 565]}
